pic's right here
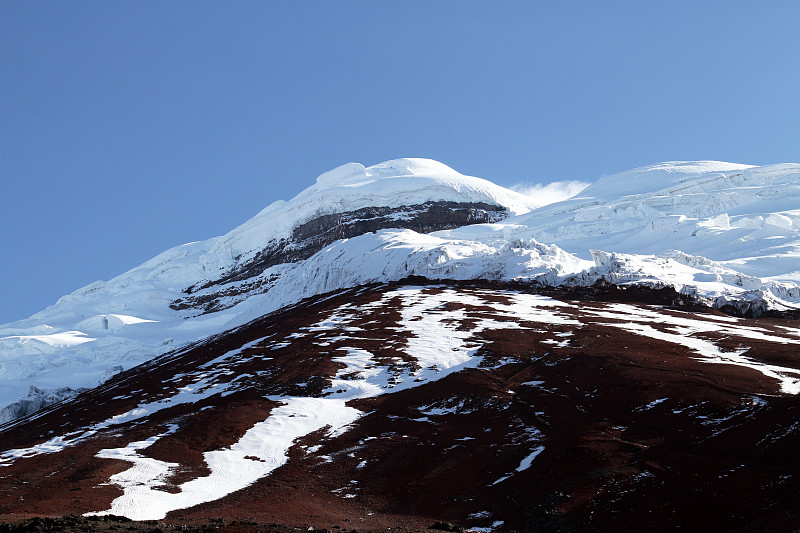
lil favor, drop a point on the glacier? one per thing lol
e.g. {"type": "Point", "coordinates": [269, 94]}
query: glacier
{"type": "Point", "coordinates": [725, 235]}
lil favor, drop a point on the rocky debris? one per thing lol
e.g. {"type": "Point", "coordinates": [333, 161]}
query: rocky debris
{"type": "Point", "coordinates": [446, 526]}
{"type": "Point", "coordinates": [82, 524]}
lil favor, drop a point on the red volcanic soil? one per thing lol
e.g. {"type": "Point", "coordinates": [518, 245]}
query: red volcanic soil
{"type": "Point", "coordinates": [597, 415]}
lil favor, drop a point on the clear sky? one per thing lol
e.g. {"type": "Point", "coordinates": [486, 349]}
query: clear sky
{"type": "Point", "coordinates": [127, 128]}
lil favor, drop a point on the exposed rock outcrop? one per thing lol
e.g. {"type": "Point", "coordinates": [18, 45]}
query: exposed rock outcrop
{"type": "Point", "coordinates": [312, 236]}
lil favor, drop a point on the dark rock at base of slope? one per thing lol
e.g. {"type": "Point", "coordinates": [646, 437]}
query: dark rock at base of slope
{"type": "Point", "coordinates": [756, 309]}
{"type": "Point", "coordinates": [312, 236]}
{"type": "Point", "coordinates": [96, 524]}
{"type": "Point", "coordinates": [446, 526]}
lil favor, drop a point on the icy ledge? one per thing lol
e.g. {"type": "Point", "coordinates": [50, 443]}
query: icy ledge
{"type": "Point", "coordinates": [392, 255]}
{"type": "Point", "coordinates": [706, 282]}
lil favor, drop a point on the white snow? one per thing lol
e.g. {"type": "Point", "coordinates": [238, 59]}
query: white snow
{"type": "Point", "coordinates": [202, 388]}
{"type": "Point", "coordinates": [652, 404]}
{"type": "Point", "coordinates": [436, 339]}
{"type": "Point", "coordinates": [528, 460]}
{"type": "Point", "coordinates": [744, 217]}
{"type": "Point", "coordinates": [352, 186]}
{"type": "Point", "coordinates": [526, 463]}
{"type": "Point", "coordinates": [43, 343]}
{"type": "Point", "coordinates": [262, 449]}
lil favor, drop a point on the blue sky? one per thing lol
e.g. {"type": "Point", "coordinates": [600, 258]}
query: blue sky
{"type": "Point", "coordinates": [127, 128]}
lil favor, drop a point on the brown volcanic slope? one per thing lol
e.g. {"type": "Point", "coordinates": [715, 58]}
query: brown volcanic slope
{"type": "Point", "coordinates": [538, 413]}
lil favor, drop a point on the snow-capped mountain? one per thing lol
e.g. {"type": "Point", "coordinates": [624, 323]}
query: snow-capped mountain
{"type": "Point", "coordinates": [108, 326]}
{"type": "Point", "coordinates": [400, 344]}
{"type": "Point", "coordinates": [724, 235]}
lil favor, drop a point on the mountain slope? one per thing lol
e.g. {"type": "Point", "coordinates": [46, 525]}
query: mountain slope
{"type": "Point", "coordinates": [402, 404]}
{"type": "Point", "coordinates": [401, 344]}
{"type": "Point", "coordinates": [358, 225]}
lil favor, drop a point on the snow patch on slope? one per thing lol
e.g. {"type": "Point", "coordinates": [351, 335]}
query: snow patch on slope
{"type": "Point", "coordinates": [441, 338]}
{"type": "Point", "coordinates": [262, 449]}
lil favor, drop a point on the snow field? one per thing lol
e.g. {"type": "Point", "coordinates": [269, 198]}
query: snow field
{"type": "Point", "coordinates": [524, 464]}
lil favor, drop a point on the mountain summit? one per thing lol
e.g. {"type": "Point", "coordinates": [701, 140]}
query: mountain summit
{"type": "Point", "coordinates": [602, 349]}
